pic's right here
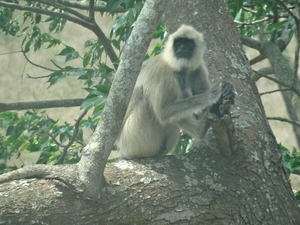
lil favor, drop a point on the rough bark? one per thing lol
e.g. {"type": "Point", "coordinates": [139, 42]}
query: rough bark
{"type": "Point", "coordinates": [97, 151]}
{"type": "Point", "coordinates": [201, 187]}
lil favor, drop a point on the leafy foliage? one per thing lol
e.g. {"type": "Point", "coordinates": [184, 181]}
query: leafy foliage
{"type": "Point", "coordinates": [33, 130]}
{"type": "Point", "coordinates": [291, 161]}
{"type": "Point", "coordinates": [36, 132]}
{"type": "Point", "coordinates": [261, 17]}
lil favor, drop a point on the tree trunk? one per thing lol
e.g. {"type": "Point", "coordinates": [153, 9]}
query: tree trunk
{"type": "Point", "coordinates": [201, 187]}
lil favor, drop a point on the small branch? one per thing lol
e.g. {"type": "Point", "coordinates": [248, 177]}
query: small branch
{"type": "Point", "coordinates": [31, 77]}
{"type": "Point", "coordinates": [280, 2]}
{"type": "Point", "coordinates": [41, 104]}
{"type": "Point", "coordinates": [297, 49]}
{"type": "Point", "coordinates": [62, 7]}
{"type": "Point", "coordinates": [277, 81]}
{"type": "Point", "coordinates": [8, 53]}
{"type": "Point", "coordinates": [284, 120]}
{"type": "Point", "coordinates": [65, 150]}
{"type": "Point", "coordinates": [249, 10]}
{"type": "Point", "coordinates": [56, 65]}
{"type": "Point", "coordinates": [265, 71]}
{"type": "Point", "coordinates": [270, 92]}
{"type": "Point", "coordinates": [251, 23]}
{"type": "Point", "coordinates": [297, 22]}
{"type": "Point", "coordinates": [54, 139]}
{"type": "Point", "coordinates": [83, 6]}
{"type": "Point", "coordinates": [34, 64]}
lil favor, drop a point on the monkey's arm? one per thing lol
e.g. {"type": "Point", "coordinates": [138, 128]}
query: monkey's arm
{"type": "Point", "coordinates": [170, 110]}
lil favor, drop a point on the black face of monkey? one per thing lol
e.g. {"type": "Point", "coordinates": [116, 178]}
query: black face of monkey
{"type": "Point", "coordinates": [184, 48]}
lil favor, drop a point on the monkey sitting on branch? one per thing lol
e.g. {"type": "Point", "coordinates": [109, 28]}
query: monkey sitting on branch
{"type": "Point", "coordinates": [172, 92]}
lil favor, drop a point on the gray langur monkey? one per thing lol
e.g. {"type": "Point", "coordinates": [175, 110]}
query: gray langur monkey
{"type": "Point", "coordinates": [172, 92]}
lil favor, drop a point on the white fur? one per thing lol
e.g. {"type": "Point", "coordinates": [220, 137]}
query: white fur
{"type": "Point", "coordinates": [184, 32]}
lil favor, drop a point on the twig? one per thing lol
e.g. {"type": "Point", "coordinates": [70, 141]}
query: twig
{"type": "Point", "coordinates": [54, 139]}
{"type": "Point", "coordinates": [34, 64]}
{"type": "Point", "coordinates": [270, 92]}
{"type": "Point", "coordinates": [251, 23]}
{"type": "Point", "coordinates": [64, 8]}
{"type": "Point", "coordinates": [284, 120]}
{"type": "Point", "coordinates": [98, 8]}
{"type": "Point", "coordinates": [277, 81]}
{"type": "Point", "coordinates": [7, 53]}
{"type": "Point", "coordinates": [288, 10]}
{"type": "Point", "coordinates": [31, 77]}
{"type": "Point", "coordinates": [249, 10]}
{"type": "Point", "coordinates": [56, 65]}
{"type": "Point", "coordinates": [76, 129]}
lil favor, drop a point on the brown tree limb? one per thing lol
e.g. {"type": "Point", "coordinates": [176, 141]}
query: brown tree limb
{"type": "Point", "coordinates": [41, 104]}
{"type": "Point", "coordinates": [92, 10]}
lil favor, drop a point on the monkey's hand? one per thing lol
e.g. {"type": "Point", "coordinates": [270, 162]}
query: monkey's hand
{"type": "Point", "coordinates": [220, 119]}
{"type": "Point", "coordinates": [225, 94]}
{"type": "Point", "coordinates": [228, 91]}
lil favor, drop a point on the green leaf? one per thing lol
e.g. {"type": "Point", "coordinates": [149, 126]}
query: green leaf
{"type": "Point", "coordinates": [56, 76]}
{"type": "Point", "coordinates": [116, 44]}
{"type": "Point", "coordinates": [70, 53]}
{"type": "Point", "coordinates": [38, 18]}
{"type": "Point", "coordinates": [112, 5]}
{"type": "Point", "coordinates": [86, 59]}
{"type": "Point", "coordinates": [89, 103]}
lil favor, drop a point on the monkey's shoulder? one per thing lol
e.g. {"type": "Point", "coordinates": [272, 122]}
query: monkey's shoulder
{"type": "Point", "coordinates": [155, 68]}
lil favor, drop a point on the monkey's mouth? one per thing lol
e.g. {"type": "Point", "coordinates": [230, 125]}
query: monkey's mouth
{"type": "Point", "coordinates": [184, 55]}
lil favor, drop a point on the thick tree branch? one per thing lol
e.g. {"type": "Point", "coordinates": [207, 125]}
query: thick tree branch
{"type": "Point", "coordinates": [257, 59]}
{"type": "Point", "coordinates": [92, 10]}
{"type": "Point", "coordinates": [41, 104]}
{"type": "Point", "coordinates": [251, 43]}
{"type": "Point", "coordinates": [97, 151]}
